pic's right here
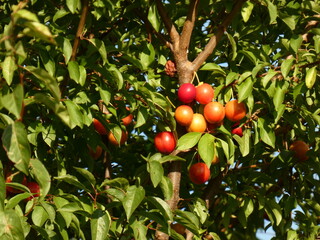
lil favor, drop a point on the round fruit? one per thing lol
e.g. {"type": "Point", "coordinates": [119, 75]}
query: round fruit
{"type": "Point", "coordinates": [237, 131]}
{"type": "Point", "coordinates": [113, 140]}
{"type": "Point", "coordinates": [187, 92]}
{"type": "Point", "coordinates": [184, 115]}
{"type": "Point", "coordinates": [179, 228]}
{"type": "Point", "coordinates": [199, 173]}
{"type": "Point", "coordinates": [165, 142]}
{"type": "Point", "coordinates": [214, 112]}
{"type": "Point", "coordinates": [198, 123]}
{"type": "Point", "coordinates": [300, 149]}
{"type": "Point", "coordinates": [235, 111]}
{"type": "Point", "coordinates": [128, 119]}
{"type": "Point", "coordinates": [99, 127]}
{"type": "Point", "coordinates": [215, 160]}
{"type": "Point", "coordinates": [95, 154]}
{"type": "Point", "coordinates": [204, 93]}
{"type": "Point", "coordinates": [34, 189]}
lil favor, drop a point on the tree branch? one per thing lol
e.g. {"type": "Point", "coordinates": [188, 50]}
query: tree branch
{"type": "Point", "coordinates": [188, 26]}
{"type": "Point", "coordinates": [201, 58]}
{"type": "Point", "coordinates": [83, 17]}
{"type": "Point", "coordinates": [174, 35]}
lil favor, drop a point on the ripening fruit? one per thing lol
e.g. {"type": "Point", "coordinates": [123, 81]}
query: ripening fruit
{"type": "Point", "coordinates": [95, 154]}
{"type": "Point", "coordinates": [214, 112]}
{"type": "Point", "coordinates": [199, 173]}
{"type": "Point", "coordinates": [187, 92]}
{"type": "Point", "coordinates": [128, 119]}
{"type": "Point", "coordinates": [184, 115]}
{"type": "Point", "coordinates": [34, 189]}
{"type": "Point", "coordinates": [198, 123]}
{"type": "Point", "coordinates": [179, 228]}
{"type": "Point", "coordinates": [238, 131]}
{"type": "Point", "coordinates": [165, 142]}
{"type": "Point", "coordinates": [204, 93]}
{"type": "Point", "coordinates": [215, 160]}
{"type": "Point", "coordinates": [300, 149]}
{"type": "Point", "coordinates": [113, 140]}
{"type": "Point", "coordinates": [99, 127]}
{"type": "Point", "coordinates": [235, 111]}
{"type": "Point", "coordinates": [19, 178]}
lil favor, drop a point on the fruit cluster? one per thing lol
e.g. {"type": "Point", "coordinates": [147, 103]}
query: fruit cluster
{"type": "Point", "coordinates": [102, 130]}
{"type": "Point", "coordinates": [210, 116]}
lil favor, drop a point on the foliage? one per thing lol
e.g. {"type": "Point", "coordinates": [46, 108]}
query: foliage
{"type": "Point", "coordinates": [51, 89]}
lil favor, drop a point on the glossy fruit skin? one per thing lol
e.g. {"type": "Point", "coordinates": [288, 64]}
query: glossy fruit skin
{"type": "Point", "coordinates": [95, 154]}
{"type": "Point", "coordinates": [199, 173]}
{"type": "Point", "coordinates": [184, 115]}
{"type": "Point", "coordinates": [99, 127]}
{"type": "Point", "coordinates": [128, 119]}
{"type": "Point", "coordinates": [237, 130]}
{"type": "Point", "coordinates": [214, 112]}
{"type": "Point", "coordinates": [179, 228]}
{"type": "Point", "coordinates": [165, 142]}
{"type": "Point", "coordinates": [204, 93]}
{"type": "Point", "coordinates": [235, 111]}
{"type": "Point", "coordinates": [34, 188]}
{"type": "Point", "coordinates": [198, 123]}
{"type": "Point", "coordinates": [300, 149]}
{"type": "Point", "coordinates": [187, 92]}
{"type": "Point", "coordinates": [113, 140]}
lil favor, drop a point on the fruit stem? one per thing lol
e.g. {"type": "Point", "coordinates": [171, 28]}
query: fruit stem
{"type": "Point", "coordinates": [170, 102]}
{"type": "Point", "coordinates": [195, 75]}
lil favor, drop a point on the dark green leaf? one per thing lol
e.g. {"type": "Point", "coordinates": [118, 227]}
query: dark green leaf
{"type": "Point", "coordinates": [206, 148]}
{"type": "Point", "coordinates": [154, 17]}
{"type": "Point", "coordinates": [40, 173]}
{"type": "Point", "coordinates": [17, 146]}
{"type": "Point", "coordinates": [132, 200]}
{"type": "Point", "coordinates": [162, 206]}
{"type": "Point", "coordinates": [156, 172]}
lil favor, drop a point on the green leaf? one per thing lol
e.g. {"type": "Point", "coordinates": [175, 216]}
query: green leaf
{"type": "Point", "coordinates": [38, 30]}
{"type": "Point", "coordinates": [104, 94]}
{"type": "Point", "coordinates": [274, 211]}
{"type": "Point", "coordinates": [311, 77]}
{"type": "Point", "coordinates": [247, 10]}
{"type": "Point", "coordinates": [206, 148]}
{"type": "Point", "coordinates": [14, 201]}
{"type": "Point", "coordinates": [48, 81]}
{"type": "Point", "coordinates": [189, 220]}
{"type": "Point", "coordinates": [121, 183]}
{"type": "Point", "coordinates": [286, 66]}
{"type": "Point", "coordinates": [213, 67]}
{"type": "Point", "coordinates": [40, 173]}
{"type": "Point", "coordinates": [188, 140]}
{"type": "Point", "coordinates": [83, 75]}
{"type": "Point", "coordinates": [271, 73]}
{"type": "Point", "coordinates": [117, 76]}
{"type": "Point", "coordinates": [295, 42]}
{"type": "Point", "coordinates": [153, 17]}
{"type": "Point", "coordinates": [73, 5]}
{"type": "Point", "coordinates": [10, 225]}
{"type": "Point", "coordinates": [245, 89]}
{"type": "Point", "coordinates": [16, 144]}
{"type": "Point", "coordinates": [73, 68]}
{"type": "Point", "coordinates": [142, 117]}
{"type": "Point", "coordinates": [56, 106]}
{"type": "Point", "coordinates": [100, 224]}
{"type": "Point", "coordinates": [86, 174]}
{"type": "Point", "coordinates": [166, 187]}
{"type": "Point", "coordinates": [231, 77]}
{"type": "Point", "coordinates": [266, 133]}
{"type": "Point", "coordinates": [198, 206]}
{"type": "Point", "coordinates": [73, 181]}
{"type": "Point", "coordinates": [162, 206]}
{"type": "Point", "coordinates": [279, 96]}
{"type": "Point", "coordinates": [171, 158]}
{"type": "Point", "coordinates": [156, 172]}
{"type": "Point", "coordinates": [139, 230]}
{"type": "Point", "coordinates": [39, 216]}
{"type": "Point", "coordinates": [99, 45]}
{"type": "Point", "coordinates": [76, 117]}
{"type": "Point", "coordinates": [132, 200]}
{"type": "Point", "coordinates": [8, 68]}
{"type": "Point", "coordinates": [273, 11]}
{"type": "Point", "coordinates": [233, 45]}
{"type": "Point", "coordinates": [13, 101]}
